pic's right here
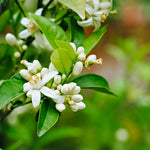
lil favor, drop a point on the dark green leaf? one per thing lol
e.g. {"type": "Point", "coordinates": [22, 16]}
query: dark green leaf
{"type": "Point", "coordinates": [93, 39]}
{"type": "Point", "coordinates": [61, 60]}
{"type": "Point", "coordinates": [94, 82]}
{"type": "Point", "coordinates": [77, 32]}
{"type": "Point", "coordinates": [77, 5]}
{"type": "Point", "coordinates": [68, 47]}
{"type": "Point", "coordinates": [51, 30]}
{"type": "Point", "coordinates": [11, 90]}
{"type": "Point", "coordinates": [47, 118]}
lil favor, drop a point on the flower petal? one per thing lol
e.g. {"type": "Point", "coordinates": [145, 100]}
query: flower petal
{"type": "Point", "coordinates": [48, 92]}
{"type": "Point", "coordinates": [25, 21]}
{"type": "Point", "coordinates": [38, 12]}
{"type": "Point", "coordinates": [96, 4]}
{"type": "Point", "coordinates": [86, 23]}
{"type": "Point", "coordinates": [24, 34]}
{"type": "Point", "coordinates": [36, 97]}
{"type": "Point", "coordinates": [59, 99]}
{"type": "Point", "coordinates": [52, 67]}
{"type": "Point", "coordinates": [27, 86]}
{"type": "Point", "coordinates": [47, 77]}
{"type": "Point", "coordinates": [89, 9]}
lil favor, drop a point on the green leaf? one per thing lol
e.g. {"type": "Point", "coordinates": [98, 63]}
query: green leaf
{"type": "Point", "coordinates": [4, 20]}
{"type": "Point", "coordinates": [51, 30]}
{"type": "Point", "coordinates": [47, 118]}
{"type": "Point", "coordinates": [76, 5]}
{"type": "Point", "coordinates": [11, 90]}
{"type": "Point", "coordinates": [94, 82]}
{"type": "Point", "coordinates": [93, 39]}
{"type": "Point", "coordinates": [7, 61]}
{"type": "Point", "coordinates": [68, 47]}
{"type": "Point", "coordinates": [77, 32]}
{"type": "Point", "coordinates": [61, 60]}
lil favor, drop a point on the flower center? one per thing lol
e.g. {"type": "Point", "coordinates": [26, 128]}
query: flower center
{"type": "Point", "coordinates": [34, 79]}
{"type": "Point", "coordinates": [31, 26]}
{"type": "Point", "coordinates": [103, 17]}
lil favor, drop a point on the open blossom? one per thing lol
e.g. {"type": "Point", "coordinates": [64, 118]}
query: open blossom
{"type": "Point", "coordinates": [96, 12]}
{"type": "Point", "coordinates": [30, 25]}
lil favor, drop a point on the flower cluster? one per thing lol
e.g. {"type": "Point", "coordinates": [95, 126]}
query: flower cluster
{"type": "Point", "coordinates": [96, 12]}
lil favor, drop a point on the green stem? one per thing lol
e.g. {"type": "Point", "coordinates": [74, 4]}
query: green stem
{"type": "Point", "coordinates": [44, 10]}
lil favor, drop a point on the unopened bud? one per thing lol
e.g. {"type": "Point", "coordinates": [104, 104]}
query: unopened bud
{"type": "Point", "coordinates": [20, 42]}
{"type": "Point", "coordinates": [37, 64]}
{"type": "Point", "coordinates": [64, 89]}
{"type": "Point", "coordinates": [80, 50]}
{"type": "Point", "coordinates": [77, 98]}
{"type": "Point", "coordinates": [17, 54]}
{"type": "Point", "coordinates": [57, 92]}
{"type": "Point", "coordinates": [25, 74]}
{"type": "Point", "coordinates": [59, 87]}
{"type": "Point", "coordinates": [52, 67]}
{"type": "Point", "coordinates": [76, 90]}
{"type": "Point", "coordinates": [81, 105]}
{"type": "Point", "coordinates": [11, 39]}
{"type": "Point", "coordinates": [44, 71]}
{"type": "Point", "coordinates": [77, 68]}
{"type": "Point", "coordinates": [57, 79]}
{"type": "Point", "coordinates": [63, 76]}
{"type": "Point", "coordinates": [60, 107]}
{"type": "Point", "coordinates": [82, 56]}
{"type": "Point", "coordinates": [74, 107]}
{"type": "Point", "coordinates": [73, 46]}
{"type": "Point", "coordinates": [24, 47]}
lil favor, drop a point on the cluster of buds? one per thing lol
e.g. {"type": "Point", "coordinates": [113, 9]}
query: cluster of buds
{"type": "Point", "coordinates": [96, 12]}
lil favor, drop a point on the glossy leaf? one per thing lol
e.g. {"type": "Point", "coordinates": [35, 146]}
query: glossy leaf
{"type": "Point", "coordinates": [11, 90]}
{"type": "Point", "coordinates": [77, 32]}
{"type": "Point", "coordinates": [61, 60]}
{"type": "Point", "coordinates": [76, 5]}
{"type": "Point", "coordinates": [68, 47]}
{"type": "Point", "coordinates": [93, 40]}
{"type": "Point", "coordinates": [94, 82]}
{"type": "Point", "coordinates": [48, 116]}
{"type": "Point", "coordinates": [51, 30]}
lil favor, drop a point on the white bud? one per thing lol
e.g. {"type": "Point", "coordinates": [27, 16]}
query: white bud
{"type": "Point", "coordinates": [11, 39]}
{"type": "Point", "coordinates": [81, 105]}
{"type": "Point", "coordinates": [63, 76]}
{"type": "Point", "coordinates": [52, 67]}
{"type": "Point", "coordinates": [44, 71]}
{"type": "Point", "coordinates": [29, 93]}
{"type": "Point", "coordinates": [64, 89]}
{"type": "Point", "coordinates": [74, 107]}
{"type": "Point", "coordinates": [37, 64]}
{"type": "Point", "coordinates": [17, 54]}
{"type": "Point", "coordinates": [76, 90]}
{"type": "Point", "coordinates": [60, 107]}
{"type": "Point", "coordinates": [25, 74]}
{"type": "Point", "coordinates": [91, 58]}
{"type": "Point", "coordinates": [77, 68]}
{"type": "Point", "coordinates": [24, 47]}
{"type": "Point", "coordinates": [82, 56]}
{"type": "Point", "coordinates": [105, 5]}
{"type": "Point", "coordinates": [80, 50]}
{"type": "Point", "coordinates": [77, 98]}
{"type": "Point", "coordinates": [20, 42]}
{"type": "Point", "coordinates": [122, 135]}
{"type": "Point", "coordinates": [57, 79]}
{"type": "Point", "coordinates": [59, 87]}
{"type": "Point", "coordinates": [73, 46]}
{"type": "Point", "coordinates": [57, 92]}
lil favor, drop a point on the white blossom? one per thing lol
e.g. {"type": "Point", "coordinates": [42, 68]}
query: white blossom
{"type": "Point", "coordinates": [11, 39]}
{"type": "Point", "coordinates": [60, 107]}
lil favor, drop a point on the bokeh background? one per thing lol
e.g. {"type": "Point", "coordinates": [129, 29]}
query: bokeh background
{"type": "Point", "coordinates": [108, 122]}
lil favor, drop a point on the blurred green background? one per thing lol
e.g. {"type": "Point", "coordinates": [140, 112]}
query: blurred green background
{"type": "Point", "coordinates": [108, 122]}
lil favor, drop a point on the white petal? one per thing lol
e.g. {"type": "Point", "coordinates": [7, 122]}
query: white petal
{"type": "Point", "coordinates": [47, 77]}
{"type": "Point", "coordinates": [96, 4]}
{"type": "Point", "coordinates": [25, 21]}
{"type": "Point", "coordinates": [39, 12]}
{"type": "Point", "coordinates": [86, 23]}
{"type": "Point", "coordinates": [39, 39]}
{"type": "Point", "coordinates": [44, 71]}
{"type": "Point", "coordinates": [60, 107]}
{"type": "Point", "coordinates": [24, 34]}
{"type": "Point", "coordinates": [52, 67]}
{"type": "Point", "coordinates": [27, 86]}
{"type": "Point", "coordinates": [48, 92]}
{"type": "Point", "coordinates": [89, 9]}
{"type": "Point", "coordinates": [36, 97]}
{"type": "Point", "coordinates": [59, 99]}
{"type": "Point", "coordinates": [97, 25]}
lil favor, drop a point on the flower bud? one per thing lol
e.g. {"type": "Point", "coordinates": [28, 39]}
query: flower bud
{"type": "Point", "coordinates": [63, 76]}
{"type": "Point", "coordinates": [76, 90]}
{"type": "Point", "coordinates": [37, 64]}
{"type": "Point", "coordinates": [17, 54]}
{"type": "Point", "coordinates": [73, 46]}
{"type": "Point", "coordinates": [105, 5]}
{"type": "Point", "coordinates": [11, 39]}
{"type": "Point", "coordinates": [80, 50]}
{"type": "Point", "coordinates": [77, 68]}
{"type": "Point", "coordinates": [81, 105]}
{"type": "Point", "coordinates": [20, 42]}
{"type": "Point", "coordinates": [77, 98]}
{"type": "Point", "coordinates": [57, 92]}
{"type": "Point", "coordinates": [60, 107]}
{"type": "Point", "coordinates": [52, 67]}
{"type": "Point", "coordinates": [64, 89]}
{"type": "Point", "coordinates": [44, 71]}
{"type": "Point", "coordinates": [91, 58]}
{"type": "Point", "coordinates": [74, 107]}
{"type": "Point", "coordinates": [57, 79]}
{"type": "Point", "coordinates": [82, 56]}
{"type": "Point", "coordinates": [24, 47]}
{"type": "Point", "coordinates": [59, 87]}
{"type": "Point", "coordinates": [25, 74]}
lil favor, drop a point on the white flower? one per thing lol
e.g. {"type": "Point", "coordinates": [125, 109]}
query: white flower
{"type": "Point", "coordinates": [78, 67]}
{"type": "Point", "coordinates": [60, 107]}
{"type": "Point", "coordinates": [30, 25]}
{"type": "Point", "coordinates": [82, 57]}
{"type": "Point", "coordinates": [36, 86]}
{"type": "Point", "coordinates": [92, 60]}
{"type": "Point", "coordinates": [11, 39]}
{"type": "Point", "coordinates": [57, 79]}
{"type": "Point", "coordinates": [94, 14]}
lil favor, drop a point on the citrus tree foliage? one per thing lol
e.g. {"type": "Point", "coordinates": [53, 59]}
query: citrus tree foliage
{"type": "Point", "coordinates": [47, 49]}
